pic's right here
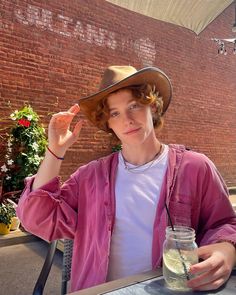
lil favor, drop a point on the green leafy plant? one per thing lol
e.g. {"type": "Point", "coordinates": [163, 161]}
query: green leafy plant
{"type": "Point", "coordinates": [7, 211]}
{"type": "Point", "coordinates": [26, 146]}
{"type": "Point", "coordinates": [116, 148]}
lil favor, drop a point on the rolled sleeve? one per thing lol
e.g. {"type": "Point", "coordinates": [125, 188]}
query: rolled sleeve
{"type": "Point", "coordinates": [217, 214]}
{"type": "Point", "coordinates": [50, 211]}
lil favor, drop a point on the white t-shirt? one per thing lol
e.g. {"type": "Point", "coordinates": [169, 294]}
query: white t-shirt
{"type": "Point", "coordinates": [137, 194]}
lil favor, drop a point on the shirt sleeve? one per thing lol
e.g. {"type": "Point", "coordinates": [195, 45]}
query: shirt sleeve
{"type": "Point", "coordinates": [50, 211]}
{"type": "Point", "coordinates": [218, 218]}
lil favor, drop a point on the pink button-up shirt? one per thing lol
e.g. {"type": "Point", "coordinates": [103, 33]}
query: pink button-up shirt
{"type": "Point", "coordinates": [83, 209]}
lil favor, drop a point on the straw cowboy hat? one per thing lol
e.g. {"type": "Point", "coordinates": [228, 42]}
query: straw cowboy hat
{"type": "Point", "coordinates": [117, 77]}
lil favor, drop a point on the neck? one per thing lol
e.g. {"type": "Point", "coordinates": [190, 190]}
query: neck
{"type": "Point", "coordinates": [141, 154]}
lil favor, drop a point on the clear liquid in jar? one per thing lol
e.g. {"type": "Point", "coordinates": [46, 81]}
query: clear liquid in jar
{"type": "Point", "coordinates": [173, 268]}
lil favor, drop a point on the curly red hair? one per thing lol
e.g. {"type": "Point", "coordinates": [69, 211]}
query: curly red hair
{"type": "Point", "coordinates": [144, 94]}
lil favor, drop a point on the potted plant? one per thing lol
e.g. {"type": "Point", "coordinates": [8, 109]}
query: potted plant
{"type": "Point", "coordinates": [15, 221]}
{"type": "Point", "coordinates": [22, 147]}
{"type": "Point", "coordinates": [22, 152]}
{"type": "Point", "coordinates": [7, 211]}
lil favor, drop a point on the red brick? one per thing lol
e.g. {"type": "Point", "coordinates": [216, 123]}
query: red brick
{"type": "Point", "coordinates": [50, 65]}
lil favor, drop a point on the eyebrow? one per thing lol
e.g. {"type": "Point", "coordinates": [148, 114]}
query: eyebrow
{"type": "Point", "coordinates": [114, 108]}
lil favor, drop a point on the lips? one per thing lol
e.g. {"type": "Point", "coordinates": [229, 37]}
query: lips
{"type": "Point", "coordinates": [132, 131]}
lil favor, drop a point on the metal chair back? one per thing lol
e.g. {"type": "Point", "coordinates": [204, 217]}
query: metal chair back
{"type": "Point", "coordinates": [66, 267]}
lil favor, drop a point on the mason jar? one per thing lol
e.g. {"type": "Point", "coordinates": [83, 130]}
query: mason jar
{"type": "Point", "coordinates": [179, 253]}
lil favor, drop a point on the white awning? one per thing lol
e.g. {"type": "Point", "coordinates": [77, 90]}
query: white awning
{"type": "Point", "coordinates": [194, 15]}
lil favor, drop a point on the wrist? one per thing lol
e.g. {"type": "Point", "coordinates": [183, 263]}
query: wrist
{"type": "Point", "coordinates": [59, 155]}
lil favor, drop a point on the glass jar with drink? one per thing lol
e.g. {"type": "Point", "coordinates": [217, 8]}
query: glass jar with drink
{"type": "Point", "coordinates": [179, 253]}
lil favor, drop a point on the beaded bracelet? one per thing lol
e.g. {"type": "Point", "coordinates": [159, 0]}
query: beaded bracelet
{"type": "Point", "coordinates": [59, 158]}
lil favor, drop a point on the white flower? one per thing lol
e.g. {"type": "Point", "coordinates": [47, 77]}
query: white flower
{"type": "Point", "coordinates": [9, 144]}
{"type": "Point", "coordinates": [10, 162]}
{"type": "Point", "coordinates": [8, 177]}
{"type": "Point", "coordinates": [9, 150]}
{"type": "Point", "coordinates": [4, 168]}
{"type": "Point", "coordinates": [13, 115]}
{"type": "Point", "coordinates": [29, 117]}
{"type": "Point", "coordinates": [35, 146]}
{"type": "Point", "coordinates": [37, 159]}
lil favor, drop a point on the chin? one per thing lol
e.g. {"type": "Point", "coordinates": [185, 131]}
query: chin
{"type": "Point", "coordinates": [133, 140]}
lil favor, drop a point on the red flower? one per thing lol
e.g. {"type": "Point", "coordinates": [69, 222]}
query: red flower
{"type": "Point", "coordinates": [24, 122]}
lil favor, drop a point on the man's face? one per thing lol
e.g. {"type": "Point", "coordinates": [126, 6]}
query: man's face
{"type": "Point", "coordinates": [130, 120]}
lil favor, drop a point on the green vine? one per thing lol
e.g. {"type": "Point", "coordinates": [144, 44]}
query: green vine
{"type": "Point", "coordinates": [26, 146]}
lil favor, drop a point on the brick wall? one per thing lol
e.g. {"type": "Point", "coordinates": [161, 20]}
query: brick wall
{"type": "Point", "coordinates": [53, 52]}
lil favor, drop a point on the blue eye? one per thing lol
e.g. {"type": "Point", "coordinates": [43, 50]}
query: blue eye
{"type": "Point", "coordinates": [134, 106]}
{"type": "Point", "coordinates": [114, 114]}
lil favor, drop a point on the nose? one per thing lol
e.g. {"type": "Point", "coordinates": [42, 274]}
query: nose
{"type": "Point", "coordinates": [128, 119]}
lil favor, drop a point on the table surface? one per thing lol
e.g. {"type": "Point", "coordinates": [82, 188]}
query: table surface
{"type": "Point", "coordinates": [150, 283]}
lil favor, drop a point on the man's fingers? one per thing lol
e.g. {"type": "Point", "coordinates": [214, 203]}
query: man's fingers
{"type": "Point", "coordinates": [209, 276]}
{"type": "Point", "coordinates": [206, 265]}
{"type": "Point", "coordinates": [77, 128]}
{"type": "Point", "coordinates": [74, 109]}
{"type": "Point", "coordinates": [205, 278]}
{"type": "Point", "coordinates": [215, 269]}
{"type": "Point", "coordinates": [67, 115]}
{"type": "Point", "coordinates": [63, 118]}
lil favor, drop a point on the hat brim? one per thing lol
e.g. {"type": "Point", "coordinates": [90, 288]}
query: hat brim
{"type": "Point", "coordinates": [149, 75]}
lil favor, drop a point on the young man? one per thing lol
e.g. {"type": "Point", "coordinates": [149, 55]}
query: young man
{"type": "Point", "coordinates": [114, 208]}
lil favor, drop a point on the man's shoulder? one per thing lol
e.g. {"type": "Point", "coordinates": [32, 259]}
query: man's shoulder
{"type": "Point", "coordinates": [192, 157]}
{"type": "Point", "coordinates": [96, 166]}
